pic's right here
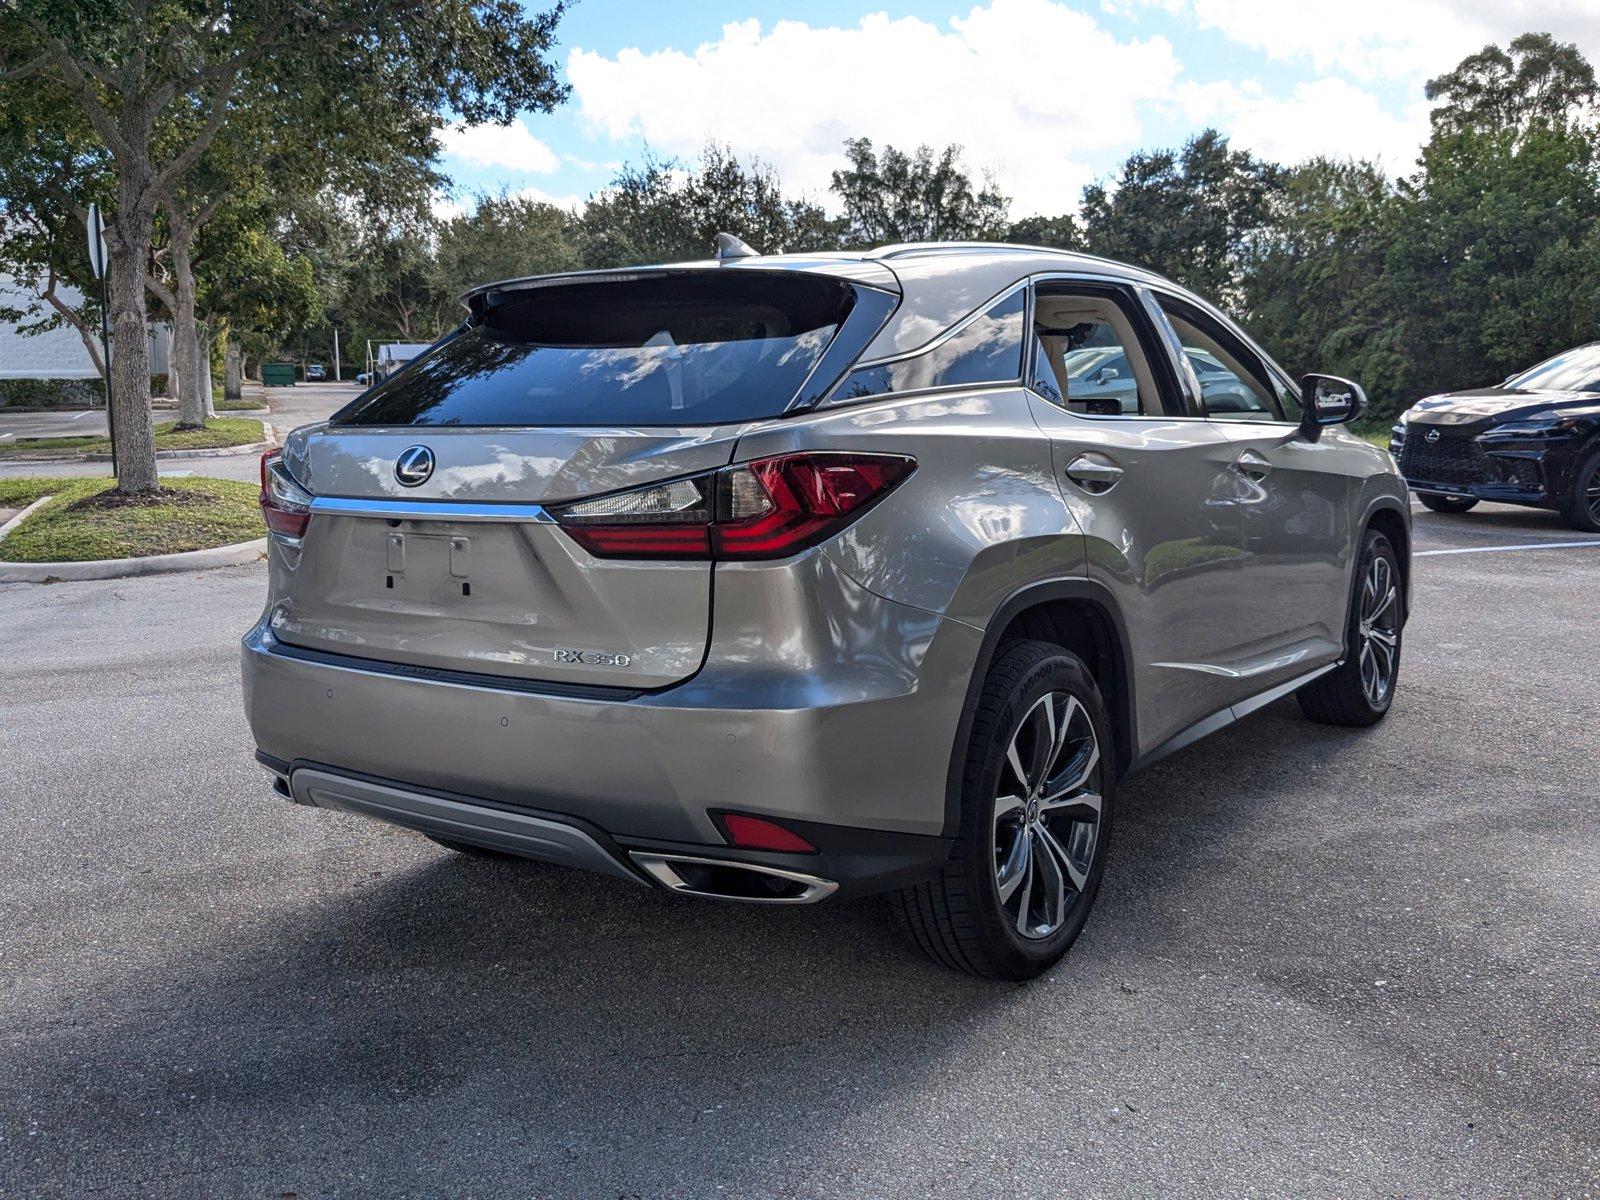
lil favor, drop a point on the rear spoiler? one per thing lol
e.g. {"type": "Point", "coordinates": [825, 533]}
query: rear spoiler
{"type": "Point", "coordinates": [866, 272]}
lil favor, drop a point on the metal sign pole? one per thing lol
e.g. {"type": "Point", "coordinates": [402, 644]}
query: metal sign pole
{"type": "Point", "coordinates": [96, 229]}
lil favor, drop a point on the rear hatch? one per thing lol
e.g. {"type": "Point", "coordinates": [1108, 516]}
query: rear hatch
{"type": "Point", "coordinates": [429, 544]}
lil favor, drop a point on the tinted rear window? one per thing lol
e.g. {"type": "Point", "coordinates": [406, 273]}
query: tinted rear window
{"type": "Point", "coordinates": [679, 349]}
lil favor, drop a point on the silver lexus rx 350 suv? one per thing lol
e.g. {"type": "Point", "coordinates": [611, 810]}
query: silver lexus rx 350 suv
{"type": "Point", "coordinates": [776, 578]}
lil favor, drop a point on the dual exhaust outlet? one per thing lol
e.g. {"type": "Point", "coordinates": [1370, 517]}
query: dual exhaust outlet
{"type": "Point", "coordinates": [722, 879]}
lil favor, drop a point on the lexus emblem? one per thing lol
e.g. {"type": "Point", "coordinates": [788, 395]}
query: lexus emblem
{"type": "Point", "coordinates": [1432, 436]}
{"type": "Point", "coordinates": [414, 466]}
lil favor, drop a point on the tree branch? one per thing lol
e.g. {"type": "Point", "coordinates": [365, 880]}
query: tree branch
{"type": "Point", "coordinates": [97, 113]}
{"type": "Point", "coordinates": [221, 96]}
{"type": "Point", "coordinates": [31, 67]}
{"type": "Point", "coordinates": [72, 317]}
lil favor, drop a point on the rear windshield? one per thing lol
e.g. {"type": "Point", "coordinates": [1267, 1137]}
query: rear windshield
{"type": "Point", "coordinates": [674, 349]}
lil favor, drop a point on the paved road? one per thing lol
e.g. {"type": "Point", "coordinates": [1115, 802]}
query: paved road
{"type": "Point", "coordinates": [290, 407]}
{"type": "Point", "coordinates": [1325, 963]}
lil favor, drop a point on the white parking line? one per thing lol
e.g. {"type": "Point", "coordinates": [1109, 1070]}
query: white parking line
{"type": "Point", "coordinates": [82, 415]}
{"type": "Point", "coordinates": [1494, 549]}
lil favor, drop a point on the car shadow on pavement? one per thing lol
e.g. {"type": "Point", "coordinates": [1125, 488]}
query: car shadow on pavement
{"type": "Point", "coordinates": [453, 1023]}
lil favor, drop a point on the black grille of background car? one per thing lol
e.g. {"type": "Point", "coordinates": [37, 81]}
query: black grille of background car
{"type": "Point", "coordinates": [1458, 461]}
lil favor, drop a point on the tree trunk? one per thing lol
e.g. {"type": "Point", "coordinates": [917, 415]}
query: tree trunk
{"type": "Point", "coordinates": [206, 338]}
{"type": "Point", "coordinates": [186, 334]}
{"type": "Point", "coordinates": [232, 371]}
{"type": "Point", "coordinates": [130, 357]}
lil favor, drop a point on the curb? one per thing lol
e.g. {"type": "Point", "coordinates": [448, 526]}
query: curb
{"type": "Point", "coordinates": [124, 568]}
{"type": "Point", "coordinates": [23, 516]}
{"type": "Point", "coordinates": [161, 455]}
{"type": "Point", "coordinates": [214, 452]}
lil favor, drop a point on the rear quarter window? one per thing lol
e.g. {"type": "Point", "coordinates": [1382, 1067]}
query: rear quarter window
{"type": "Point", "coordinates": [675, 349]}
{"type": "Point", "coordinates": [987, 349]}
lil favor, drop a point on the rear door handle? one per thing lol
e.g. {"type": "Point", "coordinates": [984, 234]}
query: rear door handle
{"type": "Point", "coordinates": [1252, 466]}
{"type": "Point", "coordinates": [1094, 473]}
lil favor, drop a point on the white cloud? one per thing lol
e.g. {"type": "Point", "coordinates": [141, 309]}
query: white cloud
{"type": "Point", "coordinates": [1030, 89]}
{"type": "Point", "coordinates": [571, 202]}
{"type": "Point", "coordinates": [1328, 116]}
{"type": "Point", "coordinates": [1044, 96]}
{"type": "Point", "coordinates": [513, 146]}
{"type": "Point", "coordinates": [445, 206]}
{"type": "Point", "coordinates": [1384, 39]}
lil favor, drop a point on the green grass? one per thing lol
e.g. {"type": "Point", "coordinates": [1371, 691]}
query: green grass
{"type": "Point", "coordinates": [86, 520]}
{"type": "Point", "coordinates": [19, 493]}
{"type": "Point", "coordinates": [222, 405]}
{"type": "Point", "coordinates": [218, 432]}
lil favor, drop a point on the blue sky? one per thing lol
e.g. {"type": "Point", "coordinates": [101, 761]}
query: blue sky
{"type": "Point", "coordinates": [1045, 95]}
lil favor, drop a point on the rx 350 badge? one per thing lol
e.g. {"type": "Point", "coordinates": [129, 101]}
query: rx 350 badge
{"type": "Point", "coordinates": [592, 658]}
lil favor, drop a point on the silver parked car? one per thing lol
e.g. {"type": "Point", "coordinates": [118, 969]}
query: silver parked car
{"type": "Point", "coordinates": [775, 578]}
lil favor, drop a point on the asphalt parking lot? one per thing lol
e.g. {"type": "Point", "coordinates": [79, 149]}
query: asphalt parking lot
{"type": "Point", "coordinates": [1324, 962]}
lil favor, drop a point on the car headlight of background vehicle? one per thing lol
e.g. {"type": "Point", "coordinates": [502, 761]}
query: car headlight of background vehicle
{"type": "Point", "coordinates": [1532, 427]}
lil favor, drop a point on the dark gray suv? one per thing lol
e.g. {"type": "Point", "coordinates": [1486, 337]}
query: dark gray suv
{"type": "Point", "coordinates": [778, 578]}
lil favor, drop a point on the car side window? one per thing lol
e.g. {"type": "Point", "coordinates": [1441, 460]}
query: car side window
{"type": "Point", "coordinates": [1087, 356]}
{"type": "Point", "coordinates": [1235, 385]}
{"type": "Point", "coordinates": [987, 349]}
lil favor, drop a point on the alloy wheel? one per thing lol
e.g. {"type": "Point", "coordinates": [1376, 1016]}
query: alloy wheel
{"type": "Point", "coordinates": [1379, 630]}
{"type": "Point", "coordinates": [1591, 495]}
{"type": "Point", "coordinates": [1047, 814]}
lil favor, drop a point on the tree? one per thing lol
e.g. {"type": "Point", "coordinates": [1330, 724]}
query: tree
{"type": "Point", "coordinates": [1535, 81]}
{"type": "Point", "coordinates": [920, 197]}
{"type": "Point", "coordinates": [394, 281]}
{"type": "Point", "coordinates": [49, 173]}
{"type": "Point", "coordinates": [1059, 232]}
{"type": "Point", "coordinates": [660, 211]}
{"type": "Point", "coordinates": [159, 83]}
{"type": "Point", "coordinates": [1314, 289]}
{"type": "Point", "coordinates": [1194, 215]}
{"type": "Point", "coordinates": [504, 237]}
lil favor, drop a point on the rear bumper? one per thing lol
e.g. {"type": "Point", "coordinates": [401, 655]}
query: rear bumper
{"type": "Point", "coordinates": [849, 861]}
{"type": "Point", "coordinates": [844, 726]}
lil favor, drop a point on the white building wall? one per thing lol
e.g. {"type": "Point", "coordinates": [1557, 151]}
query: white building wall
{"type": "Point", "coordinates": [56, 353]}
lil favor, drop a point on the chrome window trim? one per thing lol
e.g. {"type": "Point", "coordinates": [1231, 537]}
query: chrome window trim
{"type": "Point", "coordinates": [430, 510]}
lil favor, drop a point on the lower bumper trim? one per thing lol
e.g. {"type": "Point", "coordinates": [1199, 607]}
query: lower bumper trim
{"type": "Point", "coordinates": [513, 832]}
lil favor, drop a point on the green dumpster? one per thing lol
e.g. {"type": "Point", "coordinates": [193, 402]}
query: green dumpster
{"type": "Point", "coordinates": [277, 374]}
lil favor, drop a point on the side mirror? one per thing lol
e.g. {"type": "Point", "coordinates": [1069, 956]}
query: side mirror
{"type": "Point", "coordinates": [1328, 400]}
{"type": "Point", "coordinates": [1106, 374]}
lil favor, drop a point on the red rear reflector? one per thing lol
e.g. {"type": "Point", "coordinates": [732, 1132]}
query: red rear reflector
{"type": "Point", "coordinates": [757, 833]}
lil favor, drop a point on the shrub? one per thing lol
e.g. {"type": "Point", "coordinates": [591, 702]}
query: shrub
{"type": "Point", "coordinates": [50, 393]}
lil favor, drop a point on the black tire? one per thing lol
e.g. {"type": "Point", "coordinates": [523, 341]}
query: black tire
{"type": "Point", "coordinates": [1344, 696]}
{"type": "Point", "coordinates": [469, 849]}
{"type": "Point", "coordinates": [1581, 507]}
{"type": "Point", "coordinates": [1447, 504]}
{"type": "Point", "coordinates": [958, 917]}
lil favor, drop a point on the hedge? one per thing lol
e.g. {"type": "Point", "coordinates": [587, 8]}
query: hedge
{"type": "Point", "coordinates": [62, 393]}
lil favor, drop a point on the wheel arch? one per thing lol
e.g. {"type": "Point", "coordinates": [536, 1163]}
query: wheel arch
{"type": "Point", "coordinates": [1078, 615]}
{"type": "Point", "coordinates": [1387, 518]}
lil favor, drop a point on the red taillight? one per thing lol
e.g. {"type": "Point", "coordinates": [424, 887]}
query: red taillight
{"type": "Point", "coordinates": [768, 508]}
{"type": "Point", "coordinates": [285, 505]}
{"type": "Point", "coordinates": [758, 833]}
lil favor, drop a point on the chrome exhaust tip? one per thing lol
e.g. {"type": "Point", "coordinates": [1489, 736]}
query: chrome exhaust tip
{"type": "Point", "coordinates": [724, 879]}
